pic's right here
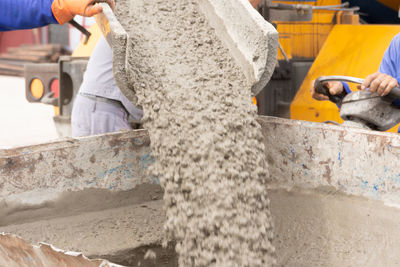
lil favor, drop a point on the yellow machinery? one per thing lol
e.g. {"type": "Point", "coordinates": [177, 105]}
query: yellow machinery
{"type": "Point", "coordinates": [301, 41]}
{"type": "Point", "coordinates": [304, 39]}
{"type": "Point", "coordinates": [338, 43]}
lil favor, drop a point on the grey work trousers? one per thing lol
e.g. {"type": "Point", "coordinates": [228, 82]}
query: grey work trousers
{"type": "Point", "coordinates": [91, 117]}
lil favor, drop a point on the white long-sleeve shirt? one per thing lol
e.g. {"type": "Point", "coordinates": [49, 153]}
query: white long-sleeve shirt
{"type": "Point", "coordinates": [98, 79]}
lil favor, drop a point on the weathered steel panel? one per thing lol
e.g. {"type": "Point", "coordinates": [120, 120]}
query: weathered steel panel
{"type": "Point", "coordinates": [300, 154]}
{"type": "Point", "coordinates": [113, 161]}
{"type": "Point", "coordinates": [354, 161]}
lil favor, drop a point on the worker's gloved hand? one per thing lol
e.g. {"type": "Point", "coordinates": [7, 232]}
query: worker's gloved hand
{"type": "Point", "coordinates": [65, 10]}
{"type": "Point", "coordinates": [379, 83]}
{"type": "Point", "coordinates": [255, 3]}
{"type": "Point", "coordinates": [335, 88]}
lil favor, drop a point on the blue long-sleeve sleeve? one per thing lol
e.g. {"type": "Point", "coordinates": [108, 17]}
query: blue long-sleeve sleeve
{"type": "Point", "coordinates": [390, 63]}
{"type": "Point", "coordinates": [25, 14]}
{"type": "Point", "coordinates": [391, 59]}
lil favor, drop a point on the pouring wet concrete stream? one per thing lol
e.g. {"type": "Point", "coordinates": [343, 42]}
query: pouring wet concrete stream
{"type": "Point", "coordinates": [192, 67]}
{"type": "Point", "coordinates": [204, 135]}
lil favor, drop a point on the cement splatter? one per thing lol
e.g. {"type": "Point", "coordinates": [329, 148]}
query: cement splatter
{"type": "Point", "coordinates": [204, 135]}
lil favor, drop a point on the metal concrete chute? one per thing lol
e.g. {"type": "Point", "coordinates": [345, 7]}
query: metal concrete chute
{"type": "Point", "coordinates": [14, 251]}
{"type": "Point", "coordinates": [251, 40]}
{"type": "Point", "coordinates": [117, 38]}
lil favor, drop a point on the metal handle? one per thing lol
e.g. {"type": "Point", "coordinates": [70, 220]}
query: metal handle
{"type": "Point", "coordinates": [319, 88]}
{"type": "Point", "coordinates": [341, 7]}
{"type": "Point", "coordinates": [81, 29]}
{"type": "Point", "coordinates": [394, 93]}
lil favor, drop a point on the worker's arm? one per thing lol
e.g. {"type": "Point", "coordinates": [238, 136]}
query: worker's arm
{"type": "Point", "coordinates": [391, 59]}
{"type": "Point", "coordinates": [388, 76]}
{"type": "Point", "coordinates": [25, 14]}
{"type": "Point", "coordinates": [65, 10]}
{"type": "Point", "coordinates": [380, 83]}
{"type": "Point", "coordinates": [28, 14]}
